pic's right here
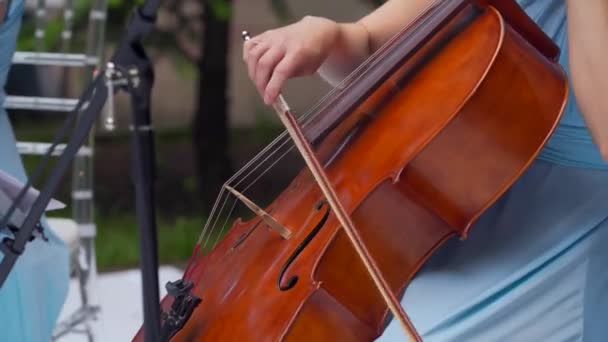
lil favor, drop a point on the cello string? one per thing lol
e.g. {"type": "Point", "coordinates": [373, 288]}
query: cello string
{"type": "Point", "coordinates": [213, 218]}
{"type": "Point", "coordinates": [310, 115]}
{"type": "Point", "coordinates": [191, 266]}
{"type": "Point", "coordinates": [208, 237]}
{"type": "Point", "coordinates": [251, 167]}
{"type": "Point", "coordinates": [244, 169]}
{"type": "Point", "coordinates": [233, 179]}
{"type": "Point", "coordinates": [235, 185]}
{"type": "Point", "coordinates": [267, 169]}
{"type": "Point", "coordinates": [222, 231]}
{"type": "Point", "coordinates": [225, 222]}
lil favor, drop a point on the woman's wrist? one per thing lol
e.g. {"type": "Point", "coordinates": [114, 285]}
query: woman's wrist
{"type": "Point", "coordinates": [348, 49]}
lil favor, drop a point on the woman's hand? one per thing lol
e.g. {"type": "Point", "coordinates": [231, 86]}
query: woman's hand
{"type": "Point", "coordinates": [295, 50]}
{"type": "Point", "coordinates": [319, 44]}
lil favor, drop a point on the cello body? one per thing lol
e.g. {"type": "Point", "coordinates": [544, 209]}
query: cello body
{"type": "Point", "coordinates": [422, 148]}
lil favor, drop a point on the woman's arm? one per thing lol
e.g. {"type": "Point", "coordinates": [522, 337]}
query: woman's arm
{"type": "Point", "coordinates": [357, 41]}
{"type": "Point", "coordinates": [588, 46]}
{"type": "Point", "coordinates": [318, 44]}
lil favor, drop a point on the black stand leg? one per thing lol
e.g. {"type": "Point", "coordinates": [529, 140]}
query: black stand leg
{"type": "Point", "coordinates": [133, 65]}
{"type": "Point", "coordinates": [143, 166]}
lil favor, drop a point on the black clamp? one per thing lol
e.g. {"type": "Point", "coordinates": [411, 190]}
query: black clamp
{"type": "Point", "coordinates": [183, 305]}
{"type": "Point", "coordinates": [7, 246]}
{"type": "Point", "coordinates": [38, 232]}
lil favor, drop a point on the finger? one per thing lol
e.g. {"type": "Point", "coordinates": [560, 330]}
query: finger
{"type": "Point", "coordinates": [266, 66]}
{"type": "Point", "coordinates": [250, 44]}
{"type": "Point", "coordinates": [253, 57]}
{"type": "Point", "coordinates": [282, 71]}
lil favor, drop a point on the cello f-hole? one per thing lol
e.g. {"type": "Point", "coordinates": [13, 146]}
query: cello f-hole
{"type": "Point", "coordinates": [291, 282]}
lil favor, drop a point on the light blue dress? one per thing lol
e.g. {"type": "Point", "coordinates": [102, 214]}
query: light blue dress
{"type": "Point", "coordinates": [33, 295]}
{"type": "Point", "coordinates": [535, 267]}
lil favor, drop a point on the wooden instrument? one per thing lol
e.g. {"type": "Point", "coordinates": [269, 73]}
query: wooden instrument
{"type": "Point", "coordinates": [406, 153]}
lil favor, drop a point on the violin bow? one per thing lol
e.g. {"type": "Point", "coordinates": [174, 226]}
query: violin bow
{"type": "Point", "coordinates": [289, 121]}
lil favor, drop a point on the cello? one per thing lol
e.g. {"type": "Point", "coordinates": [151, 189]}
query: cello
{"type": "Point", "coordinates": [406, 153]}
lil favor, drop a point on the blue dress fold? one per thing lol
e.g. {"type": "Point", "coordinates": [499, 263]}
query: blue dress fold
{"type": "Point", "coordinates": [532, 269]}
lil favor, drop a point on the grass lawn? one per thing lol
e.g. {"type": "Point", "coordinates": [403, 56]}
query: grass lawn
{"type": "Point", "coordinates": [118, 241]}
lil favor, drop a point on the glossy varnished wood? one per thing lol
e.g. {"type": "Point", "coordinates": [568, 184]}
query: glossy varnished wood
{"type": "Point", "coordinates": [444, 135]}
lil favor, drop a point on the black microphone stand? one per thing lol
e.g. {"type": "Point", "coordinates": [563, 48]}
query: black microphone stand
{"type": "Point", "coordinates": [134, 66]}
{"type": "Point", "coordinates": [131, 70]}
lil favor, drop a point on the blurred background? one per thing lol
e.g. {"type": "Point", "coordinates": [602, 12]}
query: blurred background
{"type": "Point", "coordinates": [208, 117]}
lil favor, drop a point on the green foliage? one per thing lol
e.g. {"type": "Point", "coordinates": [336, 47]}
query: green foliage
{"type": "Point", "coordinates": [122, 4]}
{"type": "Point", "coordinates": [184, 66]}
{"type": "Point", "coordinates": [53, 28]}
{"type": "Point", "coordinates": [125, 6]}
{"type": "Point", "coordinates": [117, 242]}
{"type": "Point", "coordinates": [281, 10]}
{"type": "Point", "coordinates": [190, 184]}
{"type": "Point", "coordinates": [27, 41]}
{"type": "Point", "coordinates": [115, 3]}
{"type": "Point", "coordinates": [265, 129]}
{"type": "Point", "coordinates": [221, 9]}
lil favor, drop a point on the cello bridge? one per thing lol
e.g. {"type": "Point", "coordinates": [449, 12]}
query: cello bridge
{"type": "Point", "coordinates": [266, 217]}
